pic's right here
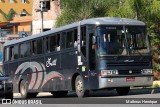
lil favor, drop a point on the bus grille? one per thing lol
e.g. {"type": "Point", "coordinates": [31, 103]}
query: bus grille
{"type": "Point", "coordinates": [126, 72]}
{"type": "Point", "coordinates": [128, 64]}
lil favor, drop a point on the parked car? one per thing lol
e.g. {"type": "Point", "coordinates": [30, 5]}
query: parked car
{"type": "Point", "coordinates": [6, 87]}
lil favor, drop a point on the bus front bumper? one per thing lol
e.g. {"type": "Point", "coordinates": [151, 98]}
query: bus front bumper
{"type": "Point", "coordinates": [125, 81]}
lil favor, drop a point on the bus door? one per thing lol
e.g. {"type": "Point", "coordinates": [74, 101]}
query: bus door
{"type": "Point", "coordinates": [93, 74]}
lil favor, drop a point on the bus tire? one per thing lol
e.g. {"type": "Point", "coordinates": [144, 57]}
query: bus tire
{"type": "Point", "coordinates": [59, 94]}
{"type": "Point", "coordinates": [23, 89]}
{"type": "Point", "coordinates": [123, 90]}
{"type": "Point", "coordinates": [79, 86]}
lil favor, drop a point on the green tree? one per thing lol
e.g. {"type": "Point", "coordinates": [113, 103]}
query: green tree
{"type": "Point", "coordinates": [147, 11]}
{"type": "Point", "coordinates": [9, 16]}
{"type": "Point", "coordinates": [82, 9]}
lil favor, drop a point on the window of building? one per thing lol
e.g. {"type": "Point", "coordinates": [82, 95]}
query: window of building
{"type": "Point", "coordinates": [45, 5]}
{"type": "Point", "coordinates": [24, 13]}
{"type": "Point", "coordinates": [11, 1]}
{"type": "Point", "coordinates": [39, 46]}
{"type": "Point", "coordinates": [48, 6]}
{"type": "Point", "coordinates": [23, 1]}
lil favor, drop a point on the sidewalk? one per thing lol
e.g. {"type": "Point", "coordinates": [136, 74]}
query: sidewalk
{"type": "Point", "coordinates": [17, 95]}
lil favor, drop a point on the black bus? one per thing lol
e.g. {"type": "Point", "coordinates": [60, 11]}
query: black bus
{"type": "Point", "coordinates": [93, 54]}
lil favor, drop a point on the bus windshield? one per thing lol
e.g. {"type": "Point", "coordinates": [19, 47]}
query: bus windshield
{"type": "Point", "coordinates": [122, 40]}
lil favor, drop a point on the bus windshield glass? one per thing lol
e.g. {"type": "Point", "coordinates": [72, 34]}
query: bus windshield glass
{"type": "Point", "coordinates": [122, 40]}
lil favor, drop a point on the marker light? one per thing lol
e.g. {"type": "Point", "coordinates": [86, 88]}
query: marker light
{"type": "Point", "coordinates": [146, 71]}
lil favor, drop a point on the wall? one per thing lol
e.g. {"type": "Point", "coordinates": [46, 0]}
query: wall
{"type": "Point", "coordinates": [17, 6]}
{"type": "Point", "coordinates": [49, 17]}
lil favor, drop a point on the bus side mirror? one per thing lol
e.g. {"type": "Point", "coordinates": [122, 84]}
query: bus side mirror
{"type": "Point", "coordinates": [93, 39]}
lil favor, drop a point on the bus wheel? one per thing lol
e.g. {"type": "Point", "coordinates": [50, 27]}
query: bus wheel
{"type": "Point", "coordinates": [123, 90]}
{"type": "Point", "coordinates": [59, 93]}
{"type": "Point", "coordinates": [23, 89]}
{"type": "Point", "coordinates": [80, 89]}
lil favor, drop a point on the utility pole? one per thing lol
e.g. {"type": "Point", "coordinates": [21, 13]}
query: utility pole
{"type": "Point", "coordinates": [42, 21]}
{"type": "Point", "coordinates": [42, 8]}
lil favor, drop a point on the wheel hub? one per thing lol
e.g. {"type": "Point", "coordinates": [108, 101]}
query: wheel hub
{"type": "Point", "coordinates": [79, 86]}
{"type": "Point", "coordinates": [23, 90]}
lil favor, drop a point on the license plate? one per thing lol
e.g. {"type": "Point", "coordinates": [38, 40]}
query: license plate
{"type": "Point", "coordinates": [130, 79]}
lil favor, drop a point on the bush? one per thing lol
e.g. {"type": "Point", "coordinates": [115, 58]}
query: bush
{"type": "Point", "coordinates": [156, 75]}
{"type": "Point", "coordinates": [155, 86]}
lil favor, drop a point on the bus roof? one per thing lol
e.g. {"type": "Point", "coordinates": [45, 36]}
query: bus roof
{"type": "Point", "coordinates": [95, 21]}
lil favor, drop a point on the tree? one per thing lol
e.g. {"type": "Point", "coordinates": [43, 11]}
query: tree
{"type": "Point", "coordinates": [82, 9]}
{"type": "Point", "coordinates": [9, 16]}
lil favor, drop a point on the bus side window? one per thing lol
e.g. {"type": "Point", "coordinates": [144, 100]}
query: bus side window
{"type": "Point", "coordinates": [75, 38]}
{"type": "Point", "coordinates": [69, 39]}
{"type": "Point", "coordinates": [53, 43]}
{"type": "Point", "coordinates": [39, 46]}
{"type": "Point", "coordinates": [63, 40]}
{"type": "Point", "coordinates": [83, 39]}
{"type": "Point", "coordinates": [11, 53]}
{"type": "Point", "coordinates": [6, 53]}
{"type": "Point", "coordinates": [46, 45]}
{"type": "Point", "coordinates": [15, 52]}
{"type": "Point", "coordinates": [58, 42]}
{"type": "Point", "coordinates": [34, 47]}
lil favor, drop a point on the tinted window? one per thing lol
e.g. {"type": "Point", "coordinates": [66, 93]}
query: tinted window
{"type": "Point", "coordinates": [24, 49]}
{"type": "Point", "coordinates": [11, 53]}
{"type": "Point", "coordinates": [70, 39]}
{"type": "Point", "coordinates": [34, 47]}
{"type": "Point", "coordinates": [6, 53]}
{"type": "Point", "coordinates": [46, 45]}
{"type": "Point", "coordinates": [83, 39]}
{"type": "Point", "coordinates": [63, 40]}
{"type": "Point", "coordinates": [39, 46]}
{"type": "Point", "coordinates": [15, 52]}
{"type": "Point", "coordinates": [75, 38]}
{"type": "Point", "coordinates": [52, 43]}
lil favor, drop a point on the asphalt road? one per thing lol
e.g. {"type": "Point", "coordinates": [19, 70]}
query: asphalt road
{"type": "Point", "coordinates": [98, 98]}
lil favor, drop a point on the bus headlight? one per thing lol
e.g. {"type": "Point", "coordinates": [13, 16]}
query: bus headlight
{"type": "Point", "coordinates": [146, 71]}
{"type": "Point", "coordinates": [109, 72]}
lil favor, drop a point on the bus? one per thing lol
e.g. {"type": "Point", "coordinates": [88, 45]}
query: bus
{"type": "Point", "coordinates": [92, 54]}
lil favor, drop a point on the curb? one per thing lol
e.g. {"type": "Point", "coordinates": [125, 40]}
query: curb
{"type": "Point", "coordinates": [39, 94]}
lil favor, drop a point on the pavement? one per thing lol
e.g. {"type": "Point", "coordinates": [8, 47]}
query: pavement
{"type": "Point", "coordinates": [133, 91]}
